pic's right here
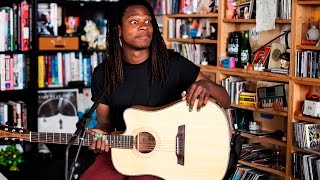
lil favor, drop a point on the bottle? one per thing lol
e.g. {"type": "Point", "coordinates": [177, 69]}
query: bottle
{"type": "Point", "coordinates": [234, 46]}
{"type": "Point", "coordinates": [245, 50]}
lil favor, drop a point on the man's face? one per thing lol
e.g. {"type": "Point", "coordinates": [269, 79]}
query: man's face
{"type": "Point", "coordinates": [136, 29]}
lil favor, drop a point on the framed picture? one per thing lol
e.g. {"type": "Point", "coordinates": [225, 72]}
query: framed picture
{"type": "Point", "coordinates": [261, 56]}
{"type": "Point", "coordinates": [57, 110]}
{"type": "Point", "coordinates": [244, 9]}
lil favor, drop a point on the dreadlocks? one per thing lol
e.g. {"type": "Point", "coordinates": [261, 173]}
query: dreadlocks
{"type": "Point", "coordinates": [159, 54]}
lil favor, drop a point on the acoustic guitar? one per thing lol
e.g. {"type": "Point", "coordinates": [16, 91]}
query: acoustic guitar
{"type": "Point", "coordinates": [183, 144]}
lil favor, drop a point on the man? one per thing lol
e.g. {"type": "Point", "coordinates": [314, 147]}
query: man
{"type": "Point", "coordinates": [139, 70]}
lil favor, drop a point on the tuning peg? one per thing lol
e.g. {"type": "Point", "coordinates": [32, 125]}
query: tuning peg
{"type": "Point", "coordinates": [21, 131]}
{"type": "Point", "coordinates": [13, 130]}
{"type": "Point", "coordinates": [6, 129]}
{"type": "Point", "coordinates": [13, 139]}
{"type": "Point", "coordinates": [6, 139]}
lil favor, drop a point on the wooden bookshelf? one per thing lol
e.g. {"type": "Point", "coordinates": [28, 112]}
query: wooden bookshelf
{"type": "Point", "coordinates": [305, 47]}
{"type": "Point", "coordinates": [304, 150]}
{"type": "Point", "coordinates": [263, 168]}
{"type": "Point", "coordinates": [255, 74]}
{"type": "Point", "coordinates": [308, 2]}
{"type": "Point", "coordinates": [306, 81]}
{"type": "Point", "coordinates": [260, 110]}
{"type": "Point", "coordinates": [196, 41]}
{"type": "Point", "coordinates": [265, 139]}
{"type": "Point", "coordinates": [209, 15]}
{"type": "Point", "coordinates": [278, 21]}
{"type": "Point", "coordinates": [307, 119]}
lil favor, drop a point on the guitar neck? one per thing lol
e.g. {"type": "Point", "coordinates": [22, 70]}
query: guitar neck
{"type": "Point", "coordinates": [115, 141]}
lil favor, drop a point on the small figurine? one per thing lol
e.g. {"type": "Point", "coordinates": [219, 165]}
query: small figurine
{"type": "Point", "coordinates": [91, 35]}
{"type": "Point", "coordinates": [284, 60]}
{"type": "Point", "coordinates": [204, 7]}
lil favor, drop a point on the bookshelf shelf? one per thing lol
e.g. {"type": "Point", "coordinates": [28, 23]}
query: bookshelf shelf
{"type": "Point", "coordinates": [14, 52]}
{"type": "Point", "coordinates": [305, 150]}
{"type": "Point", "coordinates": [309, 2]}
{"type": "Point", "coordinates": [260, 167]}
{"type": "Point", "coordinates": [278, 21]}
{"type": "Point", "coordinates": [209, 68]}
{"type": "Point", "coordinates": [307, 119]}
{"type": "Point", "coordinates": [196, 41]}
{"type": "Point", "coordinates": [306, 81]}
{"type": "Point", "coordinates": [209, 15]}
{"type": "Point", "coordinates": [305, 47]}
{"type": "Point", "coordinates": [72, 2]}
{"type": "Point", "coordinates": [265, 139]}
{"type": "Point", "coordinates": [255, 74]}
{"type": "Point", "coordinates": [267, 111]}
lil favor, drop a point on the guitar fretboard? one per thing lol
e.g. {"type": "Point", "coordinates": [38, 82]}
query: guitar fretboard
{"type": "Point", "coordinates": [115, 141]}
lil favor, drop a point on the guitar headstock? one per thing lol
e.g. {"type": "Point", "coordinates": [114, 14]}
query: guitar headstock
{"type": "Point", "coordinates": [12, 133]}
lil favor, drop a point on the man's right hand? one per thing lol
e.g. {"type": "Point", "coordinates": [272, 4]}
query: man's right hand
{"type": "Point", "coordinates": [98, 144]}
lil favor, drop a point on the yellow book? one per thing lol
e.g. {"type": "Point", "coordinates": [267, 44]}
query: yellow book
{"type": "Point", "coordinates": [41, 71]}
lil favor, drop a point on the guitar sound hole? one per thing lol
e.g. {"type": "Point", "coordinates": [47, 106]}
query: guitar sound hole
{"type": "Point", "coordinates": [145, 142]}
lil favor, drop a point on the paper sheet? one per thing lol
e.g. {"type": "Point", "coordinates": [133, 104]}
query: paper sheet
{"type": "Point", "coordinates": [265, 15]}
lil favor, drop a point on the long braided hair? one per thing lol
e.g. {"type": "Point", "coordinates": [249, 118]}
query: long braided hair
{"type": "Point", "coordinates": [158, 51]}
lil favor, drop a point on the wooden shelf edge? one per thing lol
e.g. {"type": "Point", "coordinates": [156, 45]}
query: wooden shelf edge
{"type": "Point", "coordinates": [208, 68]}
{"type": "Point", "coordinates": [309, 2]}
{"type": "Point", "coordinates": [189, 40]}
{"type": "Point", "coordinates": [306, 81]}
{"type": "Point", "coordinates": [305, 150]}
{"type": "Point", "coordinates": [270, 170]}
{"type": "Point", "coordinates": [305, 47]}
{"type": "Point", "coordinates": [265, 139]}
{"type": "Point", "coordinates": [208, 15]}
{"type": "Point", "coordinates": [267, 111]}
{"type": "Point", "coordinates": [307, 118]}
{"type": "Point", "coordinates": [278, 21]}
{"type": "Point", "coordinates": [255, 74]}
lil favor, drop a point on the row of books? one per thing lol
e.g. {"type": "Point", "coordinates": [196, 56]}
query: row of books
{"type": "Point", "coordinates": [264, 93]}
{"type": "Point", "coordinates": [15, 27]}
{"type": "Point", "coordinates": [14, 114]}
{"type": "Point", "coordinates": [191, 28]}
{"type": "Point", "coordinates": [306, 166]}
{"type": "Point", "coordinates": [306, 135]}
{"type": "Point", "coordinates": [58, 70]}
{"type": "Point", "coordinates": [260, 155]}
{"type": "Point", "coordinates": [197, 53]}
{"type": "Point", "coordinates": [190, 6]}
{"type": "Point", "coordinates": [234, 85]}
{"type": "Point", "coordinates": [307, 64]}
{"type": "Point", "coordinates": [284, 9]}
{"type": "Point", "coordinates": [13, 71]}
{"type": "Point", "coordinates": [248, 173]}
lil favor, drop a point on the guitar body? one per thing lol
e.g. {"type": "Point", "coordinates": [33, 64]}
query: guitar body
{"type": "Point", "coordinates": [205, 142]}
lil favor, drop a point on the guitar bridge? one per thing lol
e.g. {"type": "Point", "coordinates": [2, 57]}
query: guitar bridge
{"type": "Point", "coordinates": [180, 139]}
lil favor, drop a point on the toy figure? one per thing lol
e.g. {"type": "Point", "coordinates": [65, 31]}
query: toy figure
{"type": "Point", "coordinates": [91, 35]}
{"type": "Point", "coordinates": [284, 60]}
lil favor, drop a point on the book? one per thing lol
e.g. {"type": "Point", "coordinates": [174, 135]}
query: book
{"type": "Point", "coordinates": [57, 110]}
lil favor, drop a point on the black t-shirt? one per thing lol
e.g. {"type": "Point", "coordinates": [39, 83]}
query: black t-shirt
{"type": "Point", "coordinates": [137, 90]}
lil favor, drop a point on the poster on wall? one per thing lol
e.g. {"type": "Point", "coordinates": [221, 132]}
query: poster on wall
{"type": "Point", "coordinates": [57, 110]}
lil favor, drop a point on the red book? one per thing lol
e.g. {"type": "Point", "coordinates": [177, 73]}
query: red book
{"type": "Point", "coordinates": [25, 26]}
